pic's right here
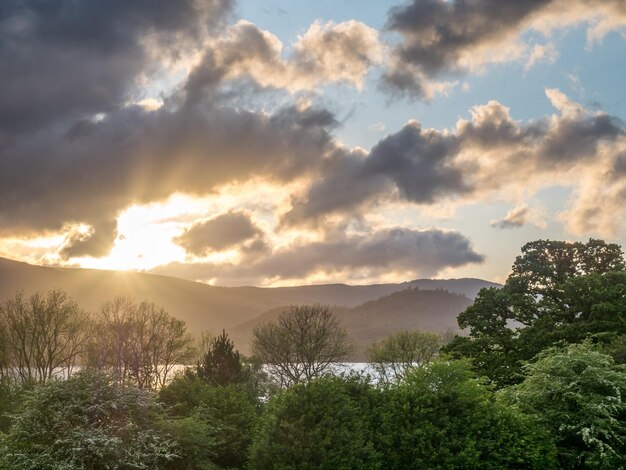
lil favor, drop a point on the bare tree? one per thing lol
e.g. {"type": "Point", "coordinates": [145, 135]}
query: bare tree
{"type": "Point", "coordinates": [139, 343]}
{"type": "Point", "coordinates": [303, 343]}
{"type": "Point", "coordinates": [401, 352]}
{"type": "Point", "coordinates": [42, 336]}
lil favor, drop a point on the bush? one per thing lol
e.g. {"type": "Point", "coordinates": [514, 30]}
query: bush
{"type": "Point", "coordinates": [580, 395]}
{"type": "Point", "coordinates": [225, 414]}
{"type": "Point", "coordinates": [440, 416]}
{"type": "Point", "coordinates": [86, 421]}
{"type": "Point", "coordinates": [321, 424]}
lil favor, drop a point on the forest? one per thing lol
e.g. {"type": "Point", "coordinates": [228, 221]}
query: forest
{"type": "Point", "coordinates": [537, 380]}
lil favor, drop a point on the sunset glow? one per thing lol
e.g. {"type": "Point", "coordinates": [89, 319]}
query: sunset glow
{"type": "Point", "coordinates": [285, 143]}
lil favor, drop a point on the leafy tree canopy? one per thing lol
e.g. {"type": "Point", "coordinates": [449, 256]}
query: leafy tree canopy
{"type": "Point", "coordinates": [558, 292]}
{"type": "Point", "coordinates": [580, 395]}
{"type": "Point", "coordinates": [324, 423]}
{"type": "Point", "coordinates": [440, 416]}
{"type": "Point", "coordinates": [224, 413]}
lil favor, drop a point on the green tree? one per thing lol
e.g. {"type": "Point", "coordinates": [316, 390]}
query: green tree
{"type": "Point", "coordinates": [324, 423]}
{"type": "Point", "coordinates": [558, 292]}
{"type": "Point", "coordinates": [442, 417]}
{"type": "Point", "coordinates": [224, 413]}
{"type": "Point", "coordinates": [196, 441]}
{"type": "Point", "coordinates": [401, 352]}
{"type": "Point", "coordinates": [580, 395]}
{"type": "Point", "coordinates": [86, 421]}
{"type": "Point", "coordinates": [545, 265]}
{"type": "Point", "coordinates": [221, 364]}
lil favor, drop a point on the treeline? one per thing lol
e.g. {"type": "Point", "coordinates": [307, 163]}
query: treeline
{"type": "Point", "coordinates": [43, 337]}
{"type": "Point", "coordinates": [539, 381]}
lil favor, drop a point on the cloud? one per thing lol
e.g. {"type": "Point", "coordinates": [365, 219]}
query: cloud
{"type": "Point", "coordinates": [414, 161]}
{"type": "Point", "coordinates": [400, 250]}
{"type": "Point", "coordinates": [71, 59]}
{"type": "Point", "coordinates": [515, 218]}
{"type": "Point", "coordinates": [93, 170]}
{"type": "Point", "coordinates": [81, 144]}
{"type": "Point", "coordinates": [541, 53]}
{"type": "Point", "coordinates": [96, 241]}
{"type": "Point", "coordinates": [221, 232]}
{"type": "Point", "coordinates": [326, 53]}
{"type": "Point", "coordinates": [441, 38]}
{"type": "Point", "coordinates": [489, 154]}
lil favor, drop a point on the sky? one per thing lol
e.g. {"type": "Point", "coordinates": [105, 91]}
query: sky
{"type": "Point", "coordinates": [294, 142]}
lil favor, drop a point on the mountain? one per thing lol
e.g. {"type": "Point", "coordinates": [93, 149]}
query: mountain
{"type": "Point", "coordinates": [202, 306]}
{"type": "Point", "coordinates": [409, 309]}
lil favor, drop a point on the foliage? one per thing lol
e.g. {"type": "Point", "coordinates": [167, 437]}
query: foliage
{"type": "Point", "coordinates": [441, 417]}
{"type": "Point", "coordinates": [86, 421]}
{"type": "Point", "coordinates": [138, 343]}
{"type": "Point", "coordinates": [545, 265]}
{"type": "Point", "coordinates": [616, 348]}
{"type": "Point", "coordinates": [321, 424]}
{"type": "Point", "coordinates": [225, 413]}
{"type": "Point", "coordinates": [303, 343]}
{"type": "Point", "coordinates": [580, 395]}
{"type": "Point", "coordinates": [558, 292]}
{"type": "Point", "coordinates": [196, 441]}
{"type": "Point", "coordinates": [41, 336]}
{"type": "Point", "coordinates": [11, 396]}
{"type": "Point", "coordinates": [221, 364]}
{"type": "Point", "coordinates": [396, 355]}
{"type": "Point", "coordinates": [185, 392]}
{"type": "Point", "coordinates": [438, 417]}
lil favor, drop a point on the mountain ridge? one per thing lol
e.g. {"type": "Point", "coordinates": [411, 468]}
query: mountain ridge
{"type": "Point", "coordinates": [203, 306]}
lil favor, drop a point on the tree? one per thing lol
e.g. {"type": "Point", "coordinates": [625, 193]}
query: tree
{"type": "Point", "coordinates": [303, 343]}
{"type": "Point", "coordinates": [441, 416]}
{"type": "Point", "coordinates": [41, 336]}
{"type": "Point", "coordinates": [325, 423]}
{"type": "Point", "coordinates": [545, 265]}
{"type": "Point", "coordinates": [139, 343]}
{"type": "Point", "coordinates": [401, 352]}
{"type": "Point", "coordinates": [196, 441]}
{"type": "Point", "coordinates": [221, 364]}
{"type": "Point", "coordinates": [224, 413]}
{"type": "Point", "coordinates": [558, 292]}
{"type": "Point", "coordinates": [86, 421]}
{"type": "Point", "coordinates": [580, 395]}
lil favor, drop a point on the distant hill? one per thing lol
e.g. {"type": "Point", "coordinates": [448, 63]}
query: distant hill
{"type": "Point", "coordinates": [409, 309]}
{"type": "Point", "coordinates": [201, 306]}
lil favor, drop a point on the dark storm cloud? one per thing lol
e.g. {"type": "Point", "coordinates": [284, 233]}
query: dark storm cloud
{"type": "Point", "coordinates": [442, 38]}
{"type": "Point", "coordinates": [216, 234]}
{"type": "Point", "coordinates": [416, 252]}
{"type": "Point", "coordinates": [72, 150]}
{"type": "Point", "coordinates": [65, 59]}
{"type": "Point", "coordinates": [436, 32]}
{"type": "Point", "coordinates": [134, 155]}
{"type": "Point", "coordinates": [415, 161]}
{"type": "Point", "coordinates": [487, 153]}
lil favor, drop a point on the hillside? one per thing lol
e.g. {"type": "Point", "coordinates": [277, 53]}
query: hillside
{"type": "Point", "coordinates": [200, 305]}
{"type": "Point", "coordinates": [408, 309]}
